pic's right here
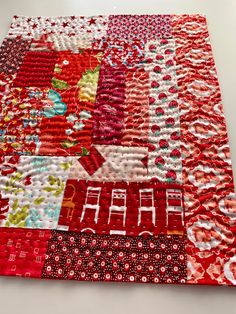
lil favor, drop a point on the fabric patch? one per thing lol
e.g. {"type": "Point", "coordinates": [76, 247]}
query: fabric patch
{"type": "Point", "coordinates": [77, 72]}
{"type": "Point", "coordinates": [88, 28]}
{"type": "Point", "coordinates": [114, 258]}
{"type": "Point", "coordinates": [207, 172]}
{"type": "Point", "coordinates": [40, 113]}
{"type": "Point", "coordinates": [109, 107]}
{"type": "Point", "coordinates": [113, 122]}
{"type": "Point", "coordinates": [9, 59]}
{"type": "Point", "coordinates": [22, 114]}
{"type": "Point", "coordinates": [131, 209]}
{"type": "Point", "coordinates": [92, 162]}
{"type": "Point", "coordinates": [4, 206]}
{"type": "Point", "coordinates": [112, 163]}
{"type": "Point", "coordinates": [72, 43]}
{"type": "Point", "coordinates": [127, 53]}
{"type": "Point", "coordinates": [165, 156]}
{"type": "Point", "coordinates": [23, 252]}
{"type": "Point", "coordinates": [32, 190]}
{"type": "Point", "coordinates": [145, 27]}
{"type": "Point", "coordinates": [45, 122]}
{"type": "Point", "coordinates": [136, 117]}
{"type": "Point", "coordinates": [36, 69]}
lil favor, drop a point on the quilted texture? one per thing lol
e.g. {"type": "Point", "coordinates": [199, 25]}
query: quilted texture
{"type": "Point", "coordinates": [114, 156]}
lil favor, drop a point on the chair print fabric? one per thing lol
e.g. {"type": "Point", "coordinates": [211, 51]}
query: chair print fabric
{"type": "Point", "coordinates": [114, 155]}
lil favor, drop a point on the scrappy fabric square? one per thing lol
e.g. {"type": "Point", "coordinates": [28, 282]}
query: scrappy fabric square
{"type": "Point", "coordinates": [122, 259]}
{"type": "Point", "coordinates": [48, 108]}
{"type": "Point", "coordinates": [9, 59]}
{"type": "Point", "coordinates": [36, 69]}
{"type": "Point", "coordinates": [114, 155]}
{"type": "Point", "coordinates": [23, 252]}
{"type": "Point", "coordinates": [145, 27]}
{"type": "Point", "coordinates": [32, 187]}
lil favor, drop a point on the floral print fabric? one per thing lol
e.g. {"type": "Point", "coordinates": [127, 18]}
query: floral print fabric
{"type": "Point", "coordinates": [114, 156]}
{"type": "Point", "coordinates": [48, 107]}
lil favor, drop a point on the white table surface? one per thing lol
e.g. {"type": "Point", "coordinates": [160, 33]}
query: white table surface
{"type": "Point", "coordinates": [64, 297]}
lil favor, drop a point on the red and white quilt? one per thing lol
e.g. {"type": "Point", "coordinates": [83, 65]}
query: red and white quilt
{"type": "Point", "coordinates": [114, 156]}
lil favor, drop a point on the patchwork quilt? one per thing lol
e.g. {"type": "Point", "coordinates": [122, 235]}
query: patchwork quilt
{"type": "Point", "coordinates": [114, 156]}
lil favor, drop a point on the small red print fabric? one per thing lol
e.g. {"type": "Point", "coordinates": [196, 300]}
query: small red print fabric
{"type": "Point", "coordinates": [114, 156]}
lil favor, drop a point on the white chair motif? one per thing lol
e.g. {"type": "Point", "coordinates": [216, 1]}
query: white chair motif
{"type": "Point", "coordinates": [146, 202]}
{"type": "Point", "coordinates": [174, 204]}
{"type": "Point", "coordinates": [92, 202]}
{"type": "Point", "coordinates": [145, 233]}
{"type": "Point", "coordinates": [119, 232]}
{"type": "Point", "coordinates": [118, 204]}
{"type": "Point", "coordinates": [88, 229]}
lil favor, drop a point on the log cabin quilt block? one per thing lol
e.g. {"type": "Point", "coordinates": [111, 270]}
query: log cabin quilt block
{"type": "Point", "coordinates": [114, 155]}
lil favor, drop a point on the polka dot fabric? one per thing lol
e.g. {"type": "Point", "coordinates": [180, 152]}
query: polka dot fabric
{"type": "Point", "coordinates": [89, 257]}
{"type": "Point", "coordinates": [114, 156]}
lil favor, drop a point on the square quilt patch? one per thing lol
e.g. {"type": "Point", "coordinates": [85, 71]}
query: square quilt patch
{"type": "Point", "coordinates": [49, 108]}
{"type": "Point", "coordinates": [36, 69]}
{"type": "Point", "coordinates": [9, 59]}
{"type": "Point", "coordinates": [114, 155]}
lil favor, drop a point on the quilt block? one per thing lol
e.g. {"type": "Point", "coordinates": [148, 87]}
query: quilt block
{"type": "Point", "coordinates": [114, 156]}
